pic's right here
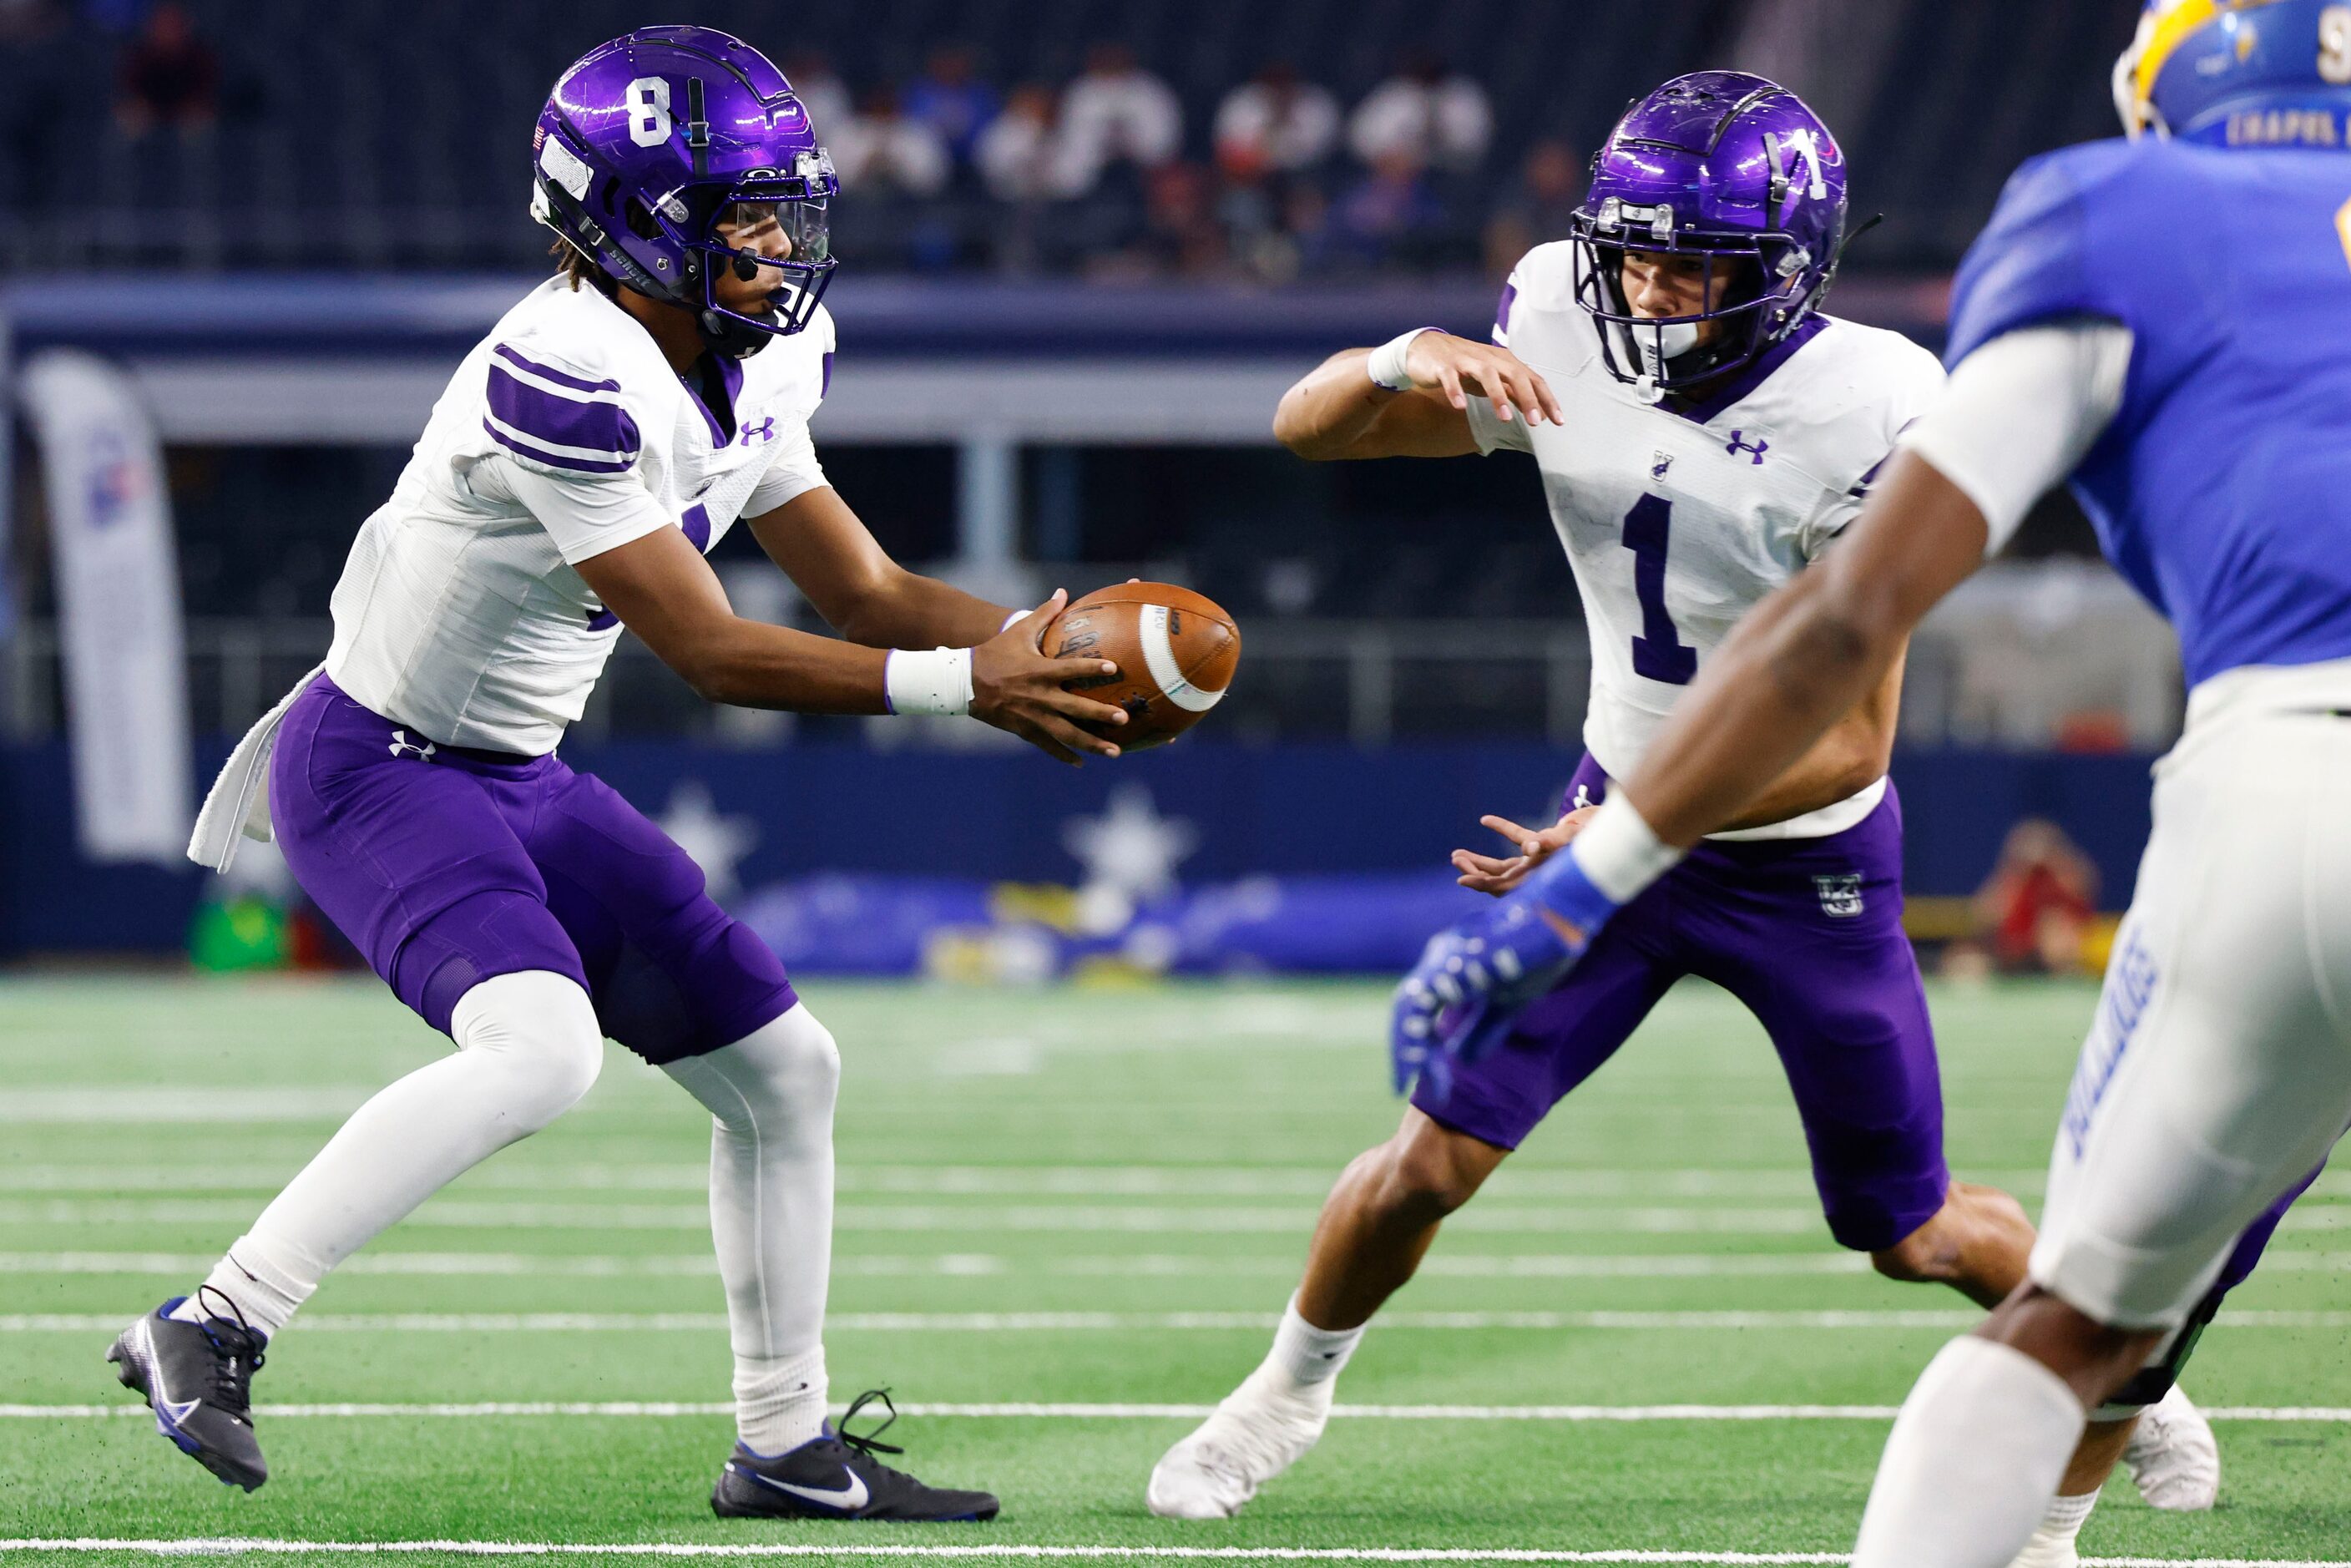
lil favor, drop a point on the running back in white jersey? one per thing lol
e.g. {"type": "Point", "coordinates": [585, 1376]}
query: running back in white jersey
{"type": "Point", "coordinates": [563, 435]}
{"type": "Point", "coordinates": [1677, 520]}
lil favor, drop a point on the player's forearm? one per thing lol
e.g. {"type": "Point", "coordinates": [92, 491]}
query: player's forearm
{"type": "Point", "coordinates": [1331, 408]}
{"type": "Point", "coordinates": [749, 664]}
{"type": "Point", "coordinates": [910, 611]}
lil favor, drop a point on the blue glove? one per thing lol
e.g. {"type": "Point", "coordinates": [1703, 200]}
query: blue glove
{"type": "Point", "coordinates": [1472, 981]}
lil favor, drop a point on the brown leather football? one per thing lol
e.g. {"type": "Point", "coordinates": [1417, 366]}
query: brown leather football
{"type": "Point", "coordinates": [1175, 649]}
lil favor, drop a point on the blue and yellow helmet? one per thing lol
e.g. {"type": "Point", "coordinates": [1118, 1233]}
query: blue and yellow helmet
{"type": "Point", "coordinates": [2239, 73]}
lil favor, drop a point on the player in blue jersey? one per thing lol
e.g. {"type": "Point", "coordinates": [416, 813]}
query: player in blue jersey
{"type": "Point", "coordinates": [2166, 321]}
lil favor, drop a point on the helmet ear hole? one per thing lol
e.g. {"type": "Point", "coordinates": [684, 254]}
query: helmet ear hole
{"type": "Point", "coordinates": [641, 220]}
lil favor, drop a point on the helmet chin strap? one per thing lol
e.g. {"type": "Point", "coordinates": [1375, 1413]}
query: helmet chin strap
{"type": "Point", "coordinates": [1654, 349]}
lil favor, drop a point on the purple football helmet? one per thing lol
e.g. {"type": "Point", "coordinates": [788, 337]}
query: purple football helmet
{"type": "Point", "coordinates": [653, 145]}
{"type": "Point", "coordinates": [1725, 165]}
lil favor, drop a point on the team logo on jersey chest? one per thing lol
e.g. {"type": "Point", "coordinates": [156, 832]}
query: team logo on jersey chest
{"type": "Point", "coordinates": [1659, 464]}
{"type": "Point", "coordinates": [1840, 895]}
{"type": "Point", "coordinates": [1739, 442]}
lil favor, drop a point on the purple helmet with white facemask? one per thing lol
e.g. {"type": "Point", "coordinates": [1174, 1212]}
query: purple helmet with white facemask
{"type": "Point", "coordinates": [1725, 165]}
{"type": "Point", "coordinates": [653, 144]}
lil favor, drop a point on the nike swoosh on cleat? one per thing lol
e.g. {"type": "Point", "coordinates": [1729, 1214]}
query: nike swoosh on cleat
{"type": "Point", "coordinates": [848, 1498]}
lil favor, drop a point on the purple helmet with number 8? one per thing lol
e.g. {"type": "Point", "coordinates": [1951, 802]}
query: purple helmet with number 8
{"type": "Point", "coordinates": [652, 144]}
{"type": "Point", "coordinates": [1730, 166]}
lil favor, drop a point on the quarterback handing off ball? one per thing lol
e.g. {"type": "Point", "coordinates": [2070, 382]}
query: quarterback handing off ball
{"type": "Point", "coordinates": [1174, 649]}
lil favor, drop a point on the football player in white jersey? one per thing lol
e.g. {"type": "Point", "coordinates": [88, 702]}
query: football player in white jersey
{"type": "Point", "coordinates": [611, 429]}
{"type": "Point", "coordinates": [1704, 433]}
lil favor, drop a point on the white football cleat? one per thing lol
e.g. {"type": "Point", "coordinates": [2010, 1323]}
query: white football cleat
{"type": "Point", "coordinates": [2041, 1551]}
{"type": "Point", "coordinates": [1260, 1430]}
{"type": "Point", "coordinates": [2172, 1456]}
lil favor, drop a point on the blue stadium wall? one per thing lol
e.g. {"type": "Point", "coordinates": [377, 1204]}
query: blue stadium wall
{"type": "Point", "coordinates": [1298, 812]}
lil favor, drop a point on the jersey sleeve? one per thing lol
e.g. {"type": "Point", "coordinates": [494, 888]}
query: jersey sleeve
{"type": "Point", "coordinates": [1913, 384]}
{"type": "Point", "coordinates": [585, 513]}
{"type": "Point", "coordinates": [557, 418]}
{"type": "Point", "coordinates": [1488, 431]}
{"type": "Point", "coordinates": [2021, 413]}
{"type": "Point", "coordinates": [794, 471]}
{"type": "Point", "coordinates": [2032, 262]}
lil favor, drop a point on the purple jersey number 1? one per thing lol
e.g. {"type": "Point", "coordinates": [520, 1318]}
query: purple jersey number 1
{"type": "Point", "coordinates": [1658, 654]}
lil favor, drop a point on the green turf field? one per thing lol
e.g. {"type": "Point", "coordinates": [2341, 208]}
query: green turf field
{"type": "Point", "coordinates": [1077, 1197]}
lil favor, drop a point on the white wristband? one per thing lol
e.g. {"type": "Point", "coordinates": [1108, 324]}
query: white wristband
{"type": "Point", "coordinates": [1012, 620]}
{"type": "Point", "coordinates": [936, 680]}
{"type": "Point", "coordinates": [1619, 853]}
{"type": "Point", "coordinates": [1387, 361]}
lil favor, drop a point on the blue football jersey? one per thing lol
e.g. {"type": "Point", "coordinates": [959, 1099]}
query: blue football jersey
{"type": "Point", "coordinates": [2222, 488]}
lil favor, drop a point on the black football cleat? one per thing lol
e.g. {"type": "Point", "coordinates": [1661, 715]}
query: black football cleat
{"type": "Point", "coordinates": [836, 1476]}
{"type": "Point", "coordinates": [198, 1379]}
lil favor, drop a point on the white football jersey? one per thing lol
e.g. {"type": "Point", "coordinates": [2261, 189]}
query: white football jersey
{"type": "Point", "coordinates": [1677, 520]}
{"type": "Point", "coordinates": [564, 434]}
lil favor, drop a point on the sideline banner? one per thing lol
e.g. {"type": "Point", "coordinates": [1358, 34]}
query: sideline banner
{"type": "Point", "coordinates": [118, 608]}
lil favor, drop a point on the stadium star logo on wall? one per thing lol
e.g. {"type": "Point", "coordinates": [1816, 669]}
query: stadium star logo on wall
{"type": "Point", "coordinates": [715, 842]}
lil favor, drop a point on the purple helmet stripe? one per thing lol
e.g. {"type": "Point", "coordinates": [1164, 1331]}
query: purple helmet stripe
{"type": "Point", "coordinates": [549, 372]}
{"type": "Point", "coordinates": [556, 459]}
{"type": "Point", "coordinates": [595, 431]}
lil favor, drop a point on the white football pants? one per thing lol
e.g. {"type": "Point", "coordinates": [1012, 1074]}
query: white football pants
{"type": "Point", "coordinates": [2218, 1070]}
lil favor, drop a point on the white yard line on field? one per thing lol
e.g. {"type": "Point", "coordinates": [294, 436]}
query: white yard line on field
{"type": "Point", "coordinates": [964, 1265]}
{"type": "Point", "coordinates": [464, 1214]}
{"type": "Point", "coordinates": [242, 1546]}
{"type": "Point", "coordinates": [1578, 1414]}
{"type": "Point", "coordinates": [1057, 1322]}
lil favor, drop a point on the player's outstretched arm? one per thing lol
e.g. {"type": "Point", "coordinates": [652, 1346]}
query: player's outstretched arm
{"type": "Point", "coordinates": [662, 589]}
{"type": "Point", "coordinates": [1808, 654]}
{"type": "Point", "coordinates": [834, 557]}
{"type": "Point", "coordinates": [1338, 410]}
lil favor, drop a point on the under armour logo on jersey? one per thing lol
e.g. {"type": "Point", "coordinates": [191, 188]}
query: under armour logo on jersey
{"type": "Point", "coordinates": [1739, 442]}
{"type": "Point", "coordinates": [403, 746]}
{"type": "Point", "coordinates": [765, 430]}
{"type": "Point", "coordinates": [1840, 895]}
{"type": "Point", "coordinates": [1659, 464]}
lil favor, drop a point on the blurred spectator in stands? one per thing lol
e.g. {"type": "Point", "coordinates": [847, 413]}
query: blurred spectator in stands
{"type": "Point", "coordinates": [1391, 214]}
{"type": "Point", "coordinates": [1181, 234]}
{"type": "Point", "coordinates": [1537, 207]}
{"type": "Point", "coordinates": [2033, 914]}
{"type": "Point", "coordinates": [170, 78]}
{"type": "Point", "coordinates": [1440, 117]}
{"type": "Point", "coordinates": [824, 95]}
{"type": "Point", "coordinates": [880, 150]}
{"type": "Point", "coordinates": [950, 98]}
{"type": "Point", "coordinates": [1274, 124]}
{"type": "Point", "coordinates": [1020, 155]}
{"type": "Point", "coordinates": [41, 53]}
{"type": "Point", "coordinates": [1117, 113]}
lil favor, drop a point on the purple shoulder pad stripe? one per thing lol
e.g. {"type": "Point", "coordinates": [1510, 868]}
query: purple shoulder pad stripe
{"type": "Point", "coordinates": [560, 378]}
{"type": "Point", "coordinates": [557, 459]}
{"type": "Point", "coordinates": [696, 524]}
{"type": "Point", "coordinates": [560, 420]}
{"type": "Point", "coordinates": [1502, 310]}
{"type": "Point", "coordinates": [825, 385]}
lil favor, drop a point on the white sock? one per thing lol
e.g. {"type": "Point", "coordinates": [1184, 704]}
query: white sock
{"type": "Point", "coordinates": [263, 1283]}
{"type": "Point", "coordinates": [527, 1048]}
{"type": "Point", "coordinates": [779, 1401]}
{"type": "Point", "coordinates": [2051, 1545]}
{"type": "Point", "coordinates": [1976, 1455]}
{"type": "Point", "coordinates": [1307, 1356]}
{"type": "Point", "coordinates": [770, 1098]}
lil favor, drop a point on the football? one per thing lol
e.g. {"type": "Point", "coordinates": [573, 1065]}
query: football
{"type": "Point", "coordinates": [1175, 651]}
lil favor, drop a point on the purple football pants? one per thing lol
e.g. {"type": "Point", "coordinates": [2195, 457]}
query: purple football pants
{"type": "Point", "coordinates": [1808, 934]}
{"type": "Point", "coordinates": [447, 866]}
